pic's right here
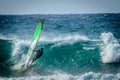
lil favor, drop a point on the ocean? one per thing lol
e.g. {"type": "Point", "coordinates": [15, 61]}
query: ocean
{"type": "Point", "coordinates": [76, 46]}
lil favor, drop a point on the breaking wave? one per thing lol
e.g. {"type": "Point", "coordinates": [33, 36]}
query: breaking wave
{"type": "Point", "coordinates": [110, 48]}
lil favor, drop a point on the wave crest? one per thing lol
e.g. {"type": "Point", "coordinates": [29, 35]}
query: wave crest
{"type": "Point", "coordinates": [110, 48]}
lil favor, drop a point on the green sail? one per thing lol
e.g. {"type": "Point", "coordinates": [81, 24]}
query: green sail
{"type": "Point", "coordinates": [34, 41]}
{"type": "Point", "coordinates": [35, 38]}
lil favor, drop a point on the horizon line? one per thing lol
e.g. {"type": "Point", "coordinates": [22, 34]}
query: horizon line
{"type": "Point", "coordinates": [60, 13]}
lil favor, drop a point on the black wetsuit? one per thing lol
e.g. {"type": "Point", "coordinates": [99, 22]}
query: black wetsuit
{"type": "Point", "coordinates": [39, 54]}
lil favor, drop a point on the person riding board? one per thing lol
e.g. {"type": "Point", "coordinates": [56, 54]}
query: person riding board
{"type": "Point", "coordinates": [38, 55]}
{"type": "Point", "coordinates": [31, 55]}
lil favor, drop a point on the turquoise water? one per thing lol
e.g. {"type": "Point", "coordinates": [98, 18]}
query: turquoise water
{"type": "Point", "coordinates": [76, 47]}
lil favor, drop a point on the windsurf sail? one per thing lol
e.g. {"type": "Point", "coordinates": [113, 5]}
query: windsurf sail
{"type": "Point", "coordinates": [34, 41]}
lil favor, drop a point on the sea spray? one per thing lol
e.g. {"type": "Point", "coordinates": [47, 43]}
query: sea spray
{"type": "Point", "coordinates": [110, 48]}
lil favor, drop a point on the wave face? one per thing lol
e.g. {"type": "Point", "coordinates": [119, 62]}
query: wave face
{"type": "Point", "coordinates": [76, 47]}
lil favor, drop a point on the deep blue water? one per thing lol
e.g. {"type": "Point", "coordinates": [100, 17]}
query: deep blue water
{"type": "Point", "coordinates": [76, 46]}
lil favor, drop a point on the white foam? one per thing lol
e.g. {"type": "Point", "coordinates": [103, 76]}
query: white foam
{"type": "Point", "coordinates": [50, 38]}
{"type": "Point", "coordinates": [17, 45]}
{"type": "Point", "coordinates": [110, 48]}
{"type": "Point", "coordinates": [89, 48]}
{"type": "Point", "coordinates": [63, 37]}
{"type": "Point", "coordinates": [99, 76]}
{"type": "Point", "coordinates": [63, 76]}
{"type": "Point", "coordinates": [19, 63]}
{"type": "Point", "coordinates": [108, 38]}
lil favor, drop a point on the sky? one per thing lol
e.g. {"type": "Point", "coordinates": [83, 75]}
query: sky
{"type": "Point", "coordinates": [59, 6]}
